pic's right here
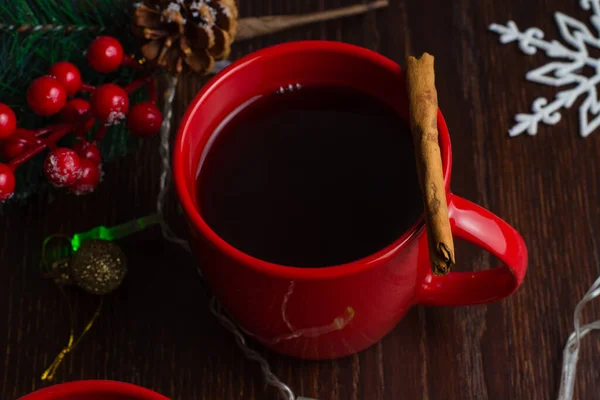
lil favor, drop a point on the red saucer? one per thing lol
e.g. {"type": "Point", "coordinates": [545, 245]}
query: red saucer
{"type": "Point", "coordinates": [94, 390]}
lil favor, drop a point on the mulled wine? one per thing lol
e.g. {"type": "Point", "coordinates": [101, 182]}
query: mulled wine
{"type": "Point", "coordinates": [314, 177]}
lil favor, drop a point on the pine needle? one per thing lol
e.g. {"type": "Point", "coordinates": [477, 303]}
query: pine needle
{"type": "Point", "coordinates": [34, 34]}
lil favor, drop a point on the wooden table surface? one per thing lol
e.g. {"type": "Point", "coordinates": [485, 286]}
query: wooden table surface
{"type": "Point", "coordinates": [156, 331]}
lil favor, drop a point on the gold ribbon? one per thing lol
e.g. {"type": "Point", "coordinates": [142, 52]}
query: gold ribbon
{"type": "Point", "coordinates": [49, 373]}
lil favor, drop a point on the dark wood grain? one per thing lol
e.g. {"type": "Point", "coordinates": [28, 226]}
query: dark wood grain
{"type": "Point", "coordinates": [157, 331]}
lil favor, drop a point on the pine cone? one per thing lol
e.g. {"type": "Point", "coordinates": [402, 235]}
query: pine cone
{"type": "Point", "coordinates": [185, 34]}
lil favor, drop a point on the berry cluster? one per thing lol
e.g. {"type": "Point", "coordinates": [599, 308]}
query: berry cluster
{"type": "Point", "coordinates": [78, 169]}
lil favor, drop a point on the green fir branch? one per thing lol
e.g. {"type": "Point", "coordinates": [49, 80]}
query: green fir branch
{"type": "Point", "coordinates": [34, 34]}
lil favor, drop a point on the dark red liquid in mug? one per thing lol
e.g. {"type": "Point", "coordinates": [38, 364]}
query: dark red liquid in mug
{"type": "Point", "coordinates": [317, 177]}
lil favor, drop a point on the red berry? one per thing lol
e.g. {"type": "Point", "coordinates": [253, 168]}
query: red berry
{"type": "Point", "coordinates": [62, 167]}
{"type": "Point", "coordinates": [7, 182]}
{"type": "Point", "coordinates": [91, 175]}
{"type": "Point", "coordinates": [13, 146]}
{"type": "Point", "coordinates": [74, 109]}
{"type": "Point", "coordinates": [46, 96]}
{"type": "Point", "coordinates": [8, 121]}
{"type": "Point", "coordinates": [105, 54]}
{"type": "Point", "coordinates": [89, 124]}
{"type": "Point", "coordinates": [144, 119]}
{"type": "Point", "coordinates": [68, 75]}
{"type": "Point", "coordinates": [110, 103]}
{"type": "Point", "coordinates": [89, 150]}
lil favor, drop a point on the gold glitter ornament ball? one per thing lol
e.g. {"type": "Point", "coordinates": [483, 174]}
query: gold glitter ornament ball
{"type": "Point", "coordinates": [98, 266]}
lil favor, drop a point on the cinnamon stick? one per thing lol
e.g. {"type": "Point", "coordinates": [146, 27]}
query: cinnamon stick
{"type": "Point", "coordinates": [423, 106]}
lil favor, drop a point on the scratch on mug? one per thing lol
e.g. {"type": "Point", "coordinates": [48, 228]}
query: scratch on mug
{"type": "Point", "coordinates": [337, 324]}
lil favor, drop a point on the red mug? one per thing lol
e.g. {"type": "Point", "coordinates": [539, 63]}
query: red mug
{"type": "Point", "coordinates": [330, 312]}
{"type": "Point", "coordinates": [94, 390]}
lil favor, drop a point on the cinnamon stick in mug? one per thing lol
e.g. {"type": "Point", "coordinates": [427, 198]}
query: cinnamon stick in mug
{"type": "Point", "coordinates": [423, 107]}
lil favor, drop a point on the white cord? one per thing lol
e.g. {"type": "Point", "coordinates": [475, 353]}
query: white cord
{"type": "Point", "coordinates": [215, 307]}
{"type": "Point", "coordinates": [164, 151]}
{"type": "Point", "coordinates": [571, 351]}
{"type": "Point", "coordinates": [250, 354]}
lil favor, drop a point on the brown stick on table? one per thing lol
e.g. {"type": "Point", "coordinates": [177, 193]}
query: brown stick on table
{"type": "Point", "coordinates": [423, 105]}
{"type": "Point", "coordinates": [251, 27]}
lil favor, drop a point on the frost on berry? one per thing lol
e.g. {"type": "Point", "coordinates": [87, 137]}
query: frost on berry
{"type": "Point", "coordinates": [91, 176]}
{"type": "Point", "coordinates": [58, 175]}
{"type": "Point", "coordinates": [62, 169]}
{"type": "Point", "coordinates": [114, 118]}
{"type": "Point", "coordinates": [81, 189]}
{"type": "Point", "coordinates": [6, 197]}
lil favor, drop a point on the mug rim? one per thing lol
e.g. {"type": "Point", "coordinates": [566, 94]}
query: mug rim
{"type": "Point", "coordinates": [267, 55]}
{"type": "Point", "coordinates": [94, 387]}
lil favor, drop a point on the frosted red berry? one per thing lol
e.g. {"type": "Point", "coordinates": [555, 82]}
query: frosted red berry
{"type": "Point", "coordinates": [13, 146]}
{"type": "Point", "coordinates": [91, 174]}
{"type": "Point", "coordinates": [105, 54]}
{"type": "Point", "coordinates": [110, 103]}
{"type": "Point", "coordinates": [62, 167]}
{"type": "Point", "coordinates": [68, 75]}
{"type": "Point", "coordinates": [74, 110]}
{"type": "Point", "coordinates": [7, 182]}
{"type": "Point", "coordinates": [89, 150]}
{"type": "Point", "coordinates": [8, 121]}
{"type": "Point", "coordinates": [46, 96]}
{"type": "Point", "coordinates": [144, 119]}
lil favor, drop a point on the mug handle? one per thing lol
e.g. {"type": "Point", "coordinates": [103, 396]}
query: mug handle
{"type": "Point", "coordinates": [477, 225]}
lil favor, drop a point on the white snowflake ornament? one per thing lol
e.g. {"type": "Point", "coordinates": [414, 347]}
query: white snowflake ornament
{"type": "Point", "coordinates": [565, 72]}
